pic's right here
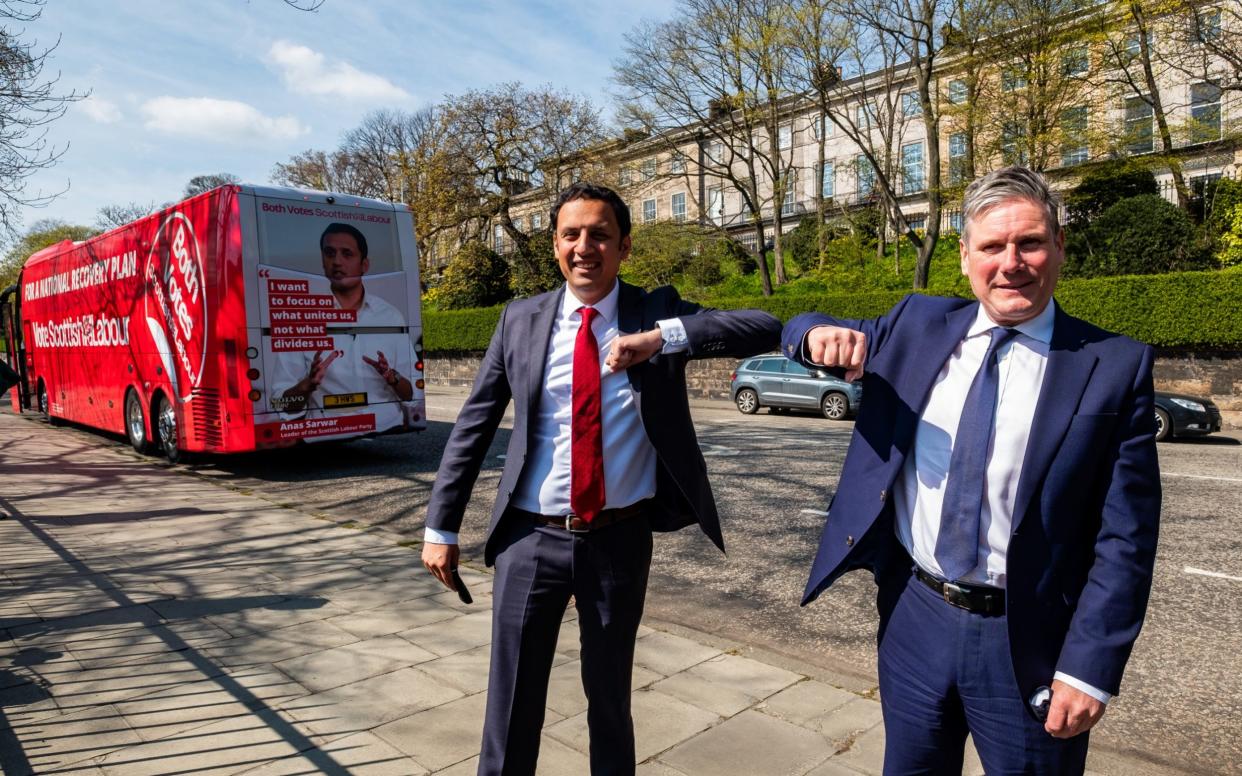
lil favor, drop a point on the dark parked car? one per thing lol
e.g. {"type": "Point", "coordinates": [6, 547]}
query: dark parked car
{"type": "Point", "coordinates": [775, 381]}
{"type": "Point", "coordinates": [1179, 416]}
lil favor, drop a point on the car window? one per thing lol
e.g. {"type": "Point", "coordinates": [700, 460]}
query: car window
{"type": "Point", "coordinates": [794, 368]}
{"type": "Point", "coordinates": [770, 365]}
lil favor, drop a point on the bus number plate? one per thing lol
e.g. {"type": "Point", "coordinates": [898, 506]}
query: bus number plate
{"type": "Point", "coordinates": [344, 400]}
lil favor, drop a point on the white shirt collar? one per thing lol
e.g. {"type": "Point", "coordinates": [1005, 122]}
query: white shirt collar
{"type": "Point", "coordinates": [606, 307]}
{"type": "Point", "coordinates": [1037, 328]}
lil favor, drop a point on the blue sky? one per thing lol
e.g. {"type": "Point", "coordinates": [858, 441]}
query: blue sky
{"type": "Point", "coordinates": [182, 88]}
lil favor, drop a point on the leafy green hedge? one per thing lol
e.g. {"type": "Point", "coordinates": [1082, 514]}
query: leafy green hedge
{"type": "Point", "coordinates": [1187, 309]}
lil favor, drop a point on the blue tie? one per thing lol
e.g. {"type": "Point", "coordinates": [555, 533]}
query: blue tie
{"type": "Point", "coordinates": [957, 545]}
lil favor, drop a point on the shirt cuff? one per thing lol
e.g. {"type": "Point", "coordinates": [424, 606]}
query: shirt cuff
{"type": "Point", "coordinates": [432, 536]}
{"type": "Point", "coordinates": [1082, 686]}
{"type": "Point", "coordinates": [674, 335]}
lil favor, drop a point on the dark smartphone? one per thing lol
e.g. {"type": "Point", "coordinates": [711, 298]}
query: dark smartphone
{"type": "Point", "coordinates": [460, 586]}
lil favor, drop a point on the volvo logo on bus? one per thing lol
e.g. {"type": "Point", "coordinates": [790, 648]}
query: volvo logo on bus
{"type": "Point", "coordinates": [176, 303]}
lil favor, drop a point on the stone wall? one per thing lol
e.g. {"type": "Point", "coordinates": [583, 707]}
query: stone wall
{"type": "Point", "coordinates": [1217, 376]}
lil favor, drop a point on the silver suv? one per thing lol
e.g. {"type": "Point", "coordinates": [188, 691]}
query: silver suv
{"type": "Point", "coordinates": [775, 381]}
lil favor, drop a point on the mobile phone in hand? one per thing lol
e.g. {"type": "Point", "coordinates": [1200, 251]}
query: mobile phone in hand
{"type": "Point", "coordinates": [460, 587]}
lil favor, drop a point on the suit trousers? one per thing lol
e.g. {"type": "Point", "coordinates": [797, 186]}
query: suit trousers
{"type": "Point", "coordinates": [945, 672]}
{"type": "Point", "coordinates": [538, 569]}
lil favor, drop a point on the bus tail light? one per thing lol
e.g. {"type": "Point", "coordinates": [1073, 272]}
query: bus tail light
{"type": "Point", "coordinates": [252, 374]}
{"type": "Point", "coordinates": [418, 384]}
{"type": "Point", "coordinates": [252, 353]}
{"type": "Point", "coordinates": [254, 394]}
{"type": "Point", "coordinates": [418, 366]}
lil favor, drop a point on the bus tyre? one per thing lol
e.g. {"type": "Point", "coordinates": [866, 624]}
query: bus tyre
{"type": "Point", "coordinates": [166, 424]}
{"type": "Point", "coordinates": [136, 423]}
{"type": "Point", "coordinates": [45, 404]}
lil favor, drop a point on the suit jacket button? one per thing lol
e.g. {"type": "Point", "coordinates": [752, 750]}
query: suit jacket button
{"type": "Point", "coordinates": [883, 495]}
{"type": "Point", "coordinates": [849, 541]}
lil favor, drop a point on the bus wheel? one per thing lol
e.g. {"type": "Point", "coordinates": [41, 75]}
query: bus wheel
{"type": "Point", "coordinates": [45, 404]}
{"type": "Point", "coordinates": [136, 423]}
{"type": "Point", "coordinates": [166, 423]}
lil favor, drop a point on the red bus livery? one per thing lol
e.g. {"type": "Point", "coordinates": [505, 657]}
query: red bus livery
{"type": "Point", "coordinates": [243, 318]}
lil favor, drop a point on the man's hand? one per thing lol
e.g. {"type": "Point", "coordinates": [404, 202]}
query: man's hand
{"type": "Point", "coordinates": [838, 346]}
{"type": "Point", "coordinates": [630, 349]}
{"type": "Point", "coordinates": [319, 368]}
{"type": "Point", "coordinates": [1072, 711]}
{"type": "Point", "coordinates": [440, 560]}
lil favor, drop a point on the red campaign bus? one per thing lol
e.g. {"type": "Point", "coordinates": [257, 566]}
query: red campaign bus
{"type": "Point", "coordinates": [246, 317]}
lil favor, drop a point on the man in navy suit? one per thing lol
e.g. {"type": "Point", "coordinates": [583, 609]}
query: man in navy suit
{"type": "Point", "coordinates": [557, 529]}
{"type": "Point", "coordinates": [1002, 486]}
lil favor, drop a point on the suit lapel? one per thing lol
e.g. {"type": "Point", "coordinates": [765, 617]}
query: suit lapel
{"type": "Point", "coordinates": [1069, 368]}
{"type": "Point", "coordinates": [629, 321]}
{"type": "Point", "coordinates": [935, 350]}
{"type": "Point", "coordinates": [537, 339]}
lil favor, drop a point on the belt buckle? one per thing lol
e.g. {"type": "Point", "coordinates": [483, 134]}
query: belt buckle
{"type": "Point", "coordinates": [955, 596]}
{"type": "Point", "coordinates": [569, 521]}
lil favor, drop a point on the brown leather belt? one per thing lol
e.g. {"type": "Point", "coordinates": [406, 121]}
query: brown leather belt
{"type": "Point", "coordinates": [979, 599]}
{"type": "Point", "coordinates": [575, 524]}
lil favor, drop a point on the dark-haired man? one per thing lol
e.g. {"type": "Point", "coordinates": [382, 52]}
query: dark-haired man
{"type": "Point", "coordinates": [1002, 485]}
{"type": "Point", "coordinates": [603, 452]}
{"type": "Point", "coordinates": [376, 364]}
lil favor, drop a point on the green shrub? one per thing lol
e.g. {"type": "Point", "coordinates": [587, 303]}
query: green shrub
{"type": "Point", "coordinates": [459, 330]}
{"type": "Point", "coordinates": [475, 277]}
{"type": "Point", "coordinates": [536, 271]}
{"type": "Point", "coordinates": [802, 242]}
{"type": "Point", "coordinates": [1142, 235]}
{"type": "Point", "coordinates": [1106, 185]}
{"type": "Point", "coordinates": [1231, 241]}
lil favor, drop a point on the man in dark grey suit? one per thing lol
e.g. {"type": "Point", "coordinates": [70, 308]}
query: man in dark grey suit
{"type": "Point", "coordinates": [601, 455]}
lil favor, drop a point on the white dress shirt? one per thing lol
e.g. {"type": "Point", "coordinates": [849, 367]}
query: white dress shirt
{"type": "Point", "coordinates": [919, 490]}
{"type": "Point", "coordinates": [629, 458]}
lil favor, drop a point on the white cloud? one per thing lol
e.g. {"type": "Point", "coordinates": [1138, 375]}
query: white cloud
{"type": "Point", "coordinates": [306, 71]}
{"type": "Point", "coordinates": [212, 119]}
{"type": "Point", "coordinates": [100, 110]}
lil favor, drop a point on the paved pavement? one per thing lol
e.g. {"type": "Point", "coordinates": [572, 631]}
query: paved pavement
{"type": "Point", "coordinates": [155, 622]}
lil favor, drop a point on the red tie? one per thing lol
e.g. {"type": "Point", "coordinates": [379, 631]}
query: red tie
{"type": "Point", "coordinates": [586, 496]}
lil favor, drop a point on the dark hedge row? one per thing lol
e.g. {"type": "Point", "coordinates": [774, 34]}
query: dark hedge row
{"type": "Point", "coordinates": [1188, 309]}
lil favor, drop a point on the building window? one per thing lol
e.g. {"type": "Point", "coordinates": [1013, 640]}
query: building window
{"type": "Point", "coordinates": [910, 105]}
{"type": "Point", "coordinates": [821, 127]}
{"type": "Point", "coordinates": [955, 221]}
{"type": "Point", "coordinates": [784, 137]}
{"type": "Point", "coordinates": [862, 116]}
{"type": "Point", "coordinates": [1075, 60]}
{"type": "Point", "coordinates": [715, 151]}
{"type": "Point", "coordinates": [498, 238]}
{"type": "Point", "coordinates": [865, 175]}
{"type": "Point", "coordinates": [917, 223]}
{"type": "Point", "coordinates": [517, 223]}
{"type": "Point", "coordinates": [957, 158]}
{"type": "Point", "coordinates": [1207, 26]}
{"type": "Point", "coordinates": [912, 168]}
{"type": "Point", "coordinates": [1013, 143]}
{"type": "Point", "coordinates": [828, 187]}
{"type": "Point", "coordinates": [1204, 112]}
{"type": "Point", "coordinates": [536, 222]}
{"type": "Point", "coordinates": [1012, 79]}
{"type": "Point", "coordinates": [1074, 148]}
{"type": "Point", "coordinates": [791, 192]}
{"type": "Point", "coordinates": [957, 91]}
{"type": "Point", "coordinates": [1133, 46]}
{"type": "Point", "coordinates": [649, 210]}
{"type": "Point", "coordinates": [649, 169]}
{"type": "Point", "coordinates": [677, 164]}
{"type": "Point", "coordinates": [749, 242]}
{"type": "Point", "coordinates": [1138, 125]}
{"type": "Point", "coordinates": [625, 175]}
{"type": "Point", "coordinates": [715, 204]}
{"type": "Point", "coordinates": [677, 206]}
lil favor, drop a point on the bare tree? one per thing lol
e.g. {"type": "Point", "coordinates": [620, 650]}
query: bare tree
{"type": "Point", "coordinates": [1209, 38]}
{"type": "Point", "coordinates": [327, 171]}
{"type": "Point", "coordinates": [112, 216]}
{"type": "Point", "coordinates": [29, 102]}
{"type": "Point", "coordinates": [200, 183]}
{"type": "Point", "coordinates": [719, 71]}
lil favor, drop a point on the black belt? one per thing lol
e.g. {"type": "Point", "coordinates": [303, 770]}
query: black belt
{"type": "Point", "coordinates": [979, 599]}
{"type": "Point", "coordinates": [575, 524]}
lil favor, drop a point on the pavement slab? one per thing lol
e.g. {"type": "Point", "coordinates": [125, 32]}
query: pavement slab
{"type": "Point", "coordinates": [366, 704]}
{"type": "Point", "coordinates": [361, 754]}
{"type": "Point", "coordinates": [353, 662]}
{"type": "Point", "coordinates": [442, 736]}
{"type": "Point", "coordinates": [748, 744]}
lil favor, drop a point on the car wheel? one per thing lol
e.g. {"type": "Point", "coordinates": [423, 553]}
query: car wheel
{"type": "Point", "coordinates": [136, 423]}
{"type": "Point", "coordinates": [747, 401]}
{"type": "Point", "coordinates": [834, 405]}
{"type": "Point", "coordinates": [166, 425]}
{"type": "Point", "coordinates": [1164, 425]}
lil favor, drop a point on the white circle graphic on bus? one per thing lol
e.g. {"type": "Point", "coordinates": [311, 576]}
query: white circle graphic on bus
{"type": "Point", "coordinates": [176, 303]}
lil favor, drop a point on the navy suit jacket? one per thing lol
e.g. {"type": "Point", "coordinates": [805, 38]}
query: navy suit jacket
{"type": "Point", "coordinates": [513, 368]}
{"type": "Point", "coordinates": [1083, 541]}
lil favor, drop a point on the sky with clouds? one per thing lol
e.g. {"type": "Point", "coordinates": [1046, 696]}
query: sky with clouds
{"type": "Point", "coordinates": [180, 88]}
